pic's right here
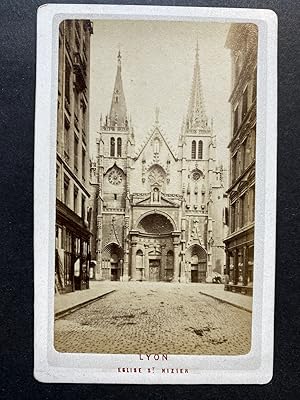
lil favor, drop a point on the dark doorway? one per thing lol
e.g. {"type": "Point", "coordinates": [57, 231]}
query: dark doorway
{"type": "Point", "coordinates": [194, 275]}
{"type": "Point", "coordinates": [154, 269]}
{"type": "Point", "coordinates": [115, 274]}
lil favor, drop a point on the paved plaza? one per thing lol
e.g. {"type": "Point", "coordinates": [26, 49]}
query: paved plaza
{"type": "Point", "coordinates": [155, 318]}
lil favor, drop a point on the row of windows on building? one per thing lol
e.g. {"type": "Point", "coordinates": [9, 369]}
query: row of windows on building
{"type": "Point", "coordinates": [197, 154]}
{"type": "Point", "coordinates": [67, 198]}
{"type": "Point", "coordinates": [67, 140]}
{"type": "Point", "coordinates": [243, 210]}
{"type": "Point", "coordinates": [243, 157]}
{"type": "Point", "coordinates": [80, 107]}
{"type": "Point", "coordinates": [115, 151]}
{"type": "Point", "coordinates": [79, 36]}
{"type": "Point", "coordinates": [247, 99]}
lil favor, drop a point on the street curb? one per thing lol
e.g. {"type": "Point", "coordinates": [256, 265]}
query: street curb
{"type": "Point", "coordinates": [62, 313]}
{"type": "Point", "coordinates": [227, 302]}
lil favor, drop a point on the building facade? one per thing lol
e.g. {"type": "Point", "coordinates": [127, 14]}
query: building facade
{"type": "Point", "coordinates": [157, 207]}
{"type": "Point", "coordinates": [242, 41]}
{"type": "Point", "coordinates": [72, 157]}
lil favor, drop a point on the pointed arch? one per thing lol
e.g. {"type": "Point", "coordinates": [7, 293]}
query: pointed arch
{"type": "Point", "coordinates": [193, 155]}
{"type": "Point", "coordinates": [119, 147]}
{"type": "Point", "coordinates": [112, 147]}
{"type": "Point", "coordinates": [200, 150]}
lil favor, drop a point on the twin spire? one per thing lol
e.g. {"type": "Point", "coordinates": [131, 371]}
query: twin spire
{"type": "Point", "coordinates": [117, 117]}
{"type": "Point", "coordinates": [196, 116]}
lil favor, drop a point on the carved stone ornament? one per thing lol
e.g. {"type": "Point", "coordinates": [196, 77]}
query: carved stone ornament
{"type": "Point", "coordinates": [115, 177]}
{"type": "Point", "coordinates": [156, 176]}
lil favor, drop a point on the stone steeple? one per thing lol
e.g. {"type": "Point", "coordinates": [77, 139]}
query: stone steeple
{"type": "Point", "coordinates": [196, 115]}
{"type": "Point", "coordinates": [118, 110]}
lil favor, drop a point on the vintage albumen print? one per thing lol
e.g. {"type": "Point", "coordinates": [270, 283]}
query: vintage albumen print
{"type": "Point", "coordinates": [156, 192]}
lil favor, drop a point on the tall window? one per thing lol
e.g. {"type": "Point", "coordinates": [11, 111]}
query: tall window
{"type": "Point", "coordinates": [58, 180]}
{"type": "Point", "coordinates": [242, 156]}
{"type": "Point", "coordinates": [84, 122]}
{"type": "Point", "coordinates": [66, 190]}
{"type": "Point", "coordinates": [75, 199]}
{"type": "Point", "coordinates": [75, 153]}
{"type": "Point", "coordinates": [112, 147]}
{"type": "Point", "coordinates": [200, 150]}
{"type": "Point", "coordinates": [246, 210]}
{"type": "Point", "coordinates": [66, 139]}
{"type": "Point", "coordinates": [119, 147]}
{"type": "Point", "coordinates": [82, 207]}
{"type": "Point", "coordinates": [67, 79]}
{"type": "Point", "coordinates": [242, 211]}
{"type": "Point", "coordinates": [247, 151]}
{"type": "Point", "coordinates": [251, 204]}
{"type": "Point", "coordinates": [233, 217]}
{"type": "Point", "coordinates": [76, 107]}
{"type": "Point", "coordinates": [245, 103]}
{"type": "Point", "coordinates": [236, 120]}
{"type": "Point", "coordinates": [233, 168]}
{"type": "Point", "coordinates": [156, 146]}
{"type": "Point", "coordinates": [83, 159]}
{"type": "Point", "coordinates": [193, 149]}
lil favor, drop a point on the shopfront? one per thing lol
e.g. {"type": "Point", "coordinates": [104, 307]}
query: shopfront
{"type": "Point", "coordinates": [72, 252]}
{"type": "Point", "coordinates": [240, 262]}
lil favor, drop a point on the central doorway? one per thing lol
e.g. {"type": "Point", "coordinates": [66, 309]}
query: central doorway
{"type": "Point", "coordinates": [154, 269]}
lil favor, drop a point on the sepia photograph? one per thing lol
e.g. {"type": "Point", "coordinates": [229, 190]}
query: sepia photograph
{"type": "Point", "coordinates": [155, 194]}
{"type": "Point", "coordinates": [155, 187]}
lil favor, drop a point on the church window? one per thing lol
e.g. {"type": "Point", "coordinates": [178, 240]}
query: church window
{"type": "Point", "coordinates": [112, 147]}
{"type": "Point", "coordinates": [117, 99]}
{"type": "Point", "coordinates": [115, 197]}
{"type": "Point", "coordinates": [119, 147]}
{"type": "Point", "coordinates": [193, 149]}
{"type": "Point", "coordinates": [200, 150]}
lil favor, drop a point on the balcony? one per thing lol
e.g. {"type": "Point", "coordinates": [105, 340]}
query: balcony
{"type": "Point", "coordinates": [80, 72]}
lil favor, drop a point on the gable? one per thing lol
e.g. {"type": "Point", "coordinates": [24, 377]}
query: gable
{"type": "Point", "coordinates": [155, 143]}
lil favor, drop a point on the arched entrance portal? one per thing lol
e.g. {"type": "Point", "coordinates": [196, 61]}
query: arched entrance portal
{"type": "Point", "coordinates": [196, 258]}
{"type": "Point", "coordinates": [112, 262]}
{"type": "Point", "coordinates": [152, 248]}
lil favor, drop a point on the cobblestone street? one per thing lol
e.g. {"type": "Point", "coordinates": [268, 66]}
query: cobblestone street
{"type": "Point", "coordinates": [155, 318]}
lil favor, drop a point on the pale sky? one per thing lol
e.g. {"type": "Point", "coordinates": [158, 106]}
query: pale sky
{"type": "Point", "coordinates": [157, 69]}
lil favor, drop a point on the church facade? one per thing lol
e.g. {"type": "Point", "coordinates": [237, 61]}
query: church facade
{"type": "Point", "coordinates": [157, 209]}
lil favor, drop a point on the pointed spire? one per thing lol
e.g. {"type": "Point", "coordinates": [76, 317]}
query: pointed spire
{"type": "Point", "coordinates": [118, 110]}
{"type": "Point", "coordinates": [196, 116]}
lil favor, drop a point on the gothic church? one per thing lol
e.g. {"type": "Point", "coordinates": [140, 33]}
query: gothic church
{"type": "Point", "coordinates": [157, 211]}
